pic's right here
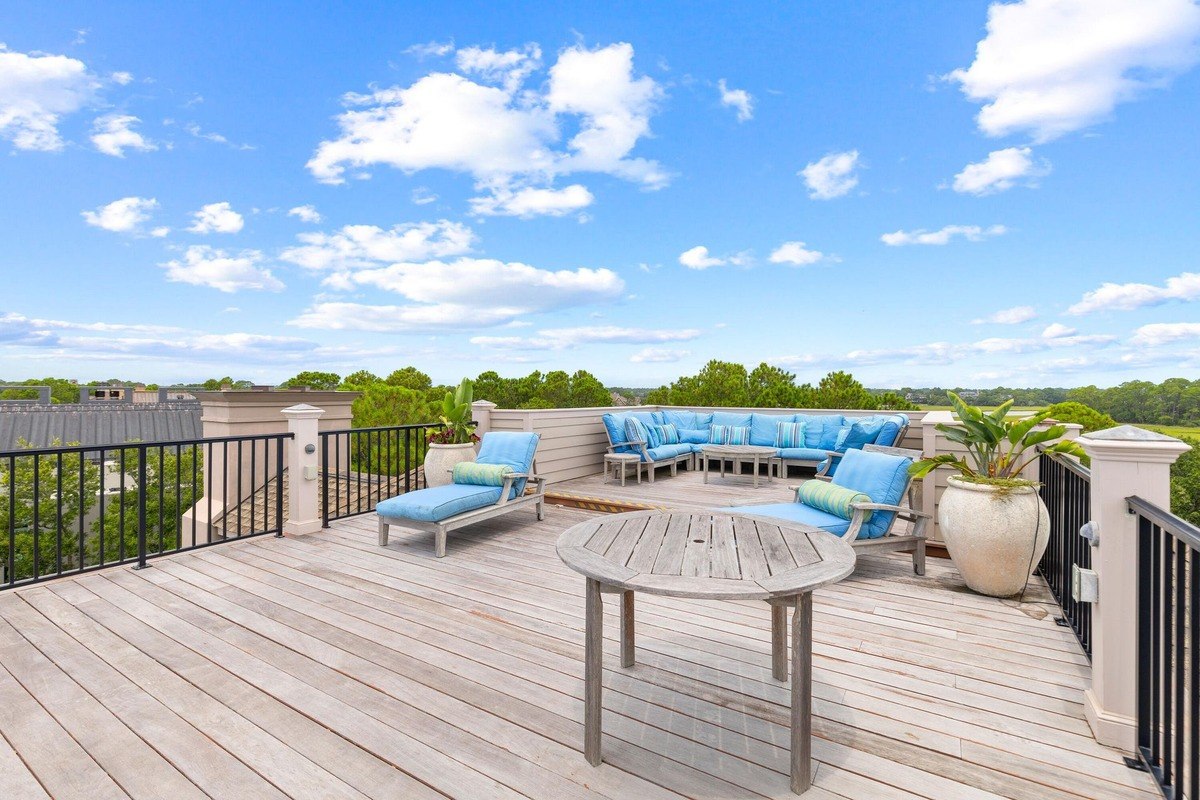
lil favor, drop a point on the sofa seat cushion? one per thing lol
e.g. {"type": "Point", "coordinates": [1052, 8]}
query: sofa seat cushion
{"type": "Point", "coordinates": [763, 428]}
{"type": "Point", "coordinates": [693, 435]}
{"type": "Point", "coordinates": [439, 503]}
{"type": "Point", "coordinates": [795, 512]}
{"type": "Point", "coordinates": [667, 451]}
{"type": "Point", "coordinates": [803, 454]}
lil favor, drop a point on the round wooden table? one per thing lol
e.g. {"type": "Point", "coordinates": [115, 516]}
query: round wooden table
{"type": "Point", "coordinates": [712, 556]}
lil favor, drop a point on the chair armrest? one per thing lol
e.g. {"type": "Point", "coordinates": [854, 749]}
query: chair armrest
{"type": "Point", "coordinates": [888, 507]}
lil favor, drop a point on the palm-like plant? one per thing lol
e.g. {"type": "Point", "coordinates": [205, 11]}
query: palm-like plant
{"type": "Point", "coordinates": [998, 448]}
{"type": "Point", "coordinates": [456, 416]}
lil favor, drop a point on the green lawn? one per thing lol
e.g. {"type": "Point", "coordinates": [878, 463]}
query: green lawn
{"type": "Point", "coordinates": [1175, 430]}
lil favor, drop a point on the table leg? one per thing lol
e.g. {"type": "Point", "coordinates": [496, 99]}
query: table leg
{"type": "Point", "coordinates": [627, 645]}
{"type": "Point", "coordinates": [593, 672]}
{"type": "Point", "coordinates": [779, 665]}
{"type": "Point", "coordinates": [802, 694]}
{"type": "Point", "coordinates": [755, 467]}
{"type": "Point", "coordinates": [704, 466]}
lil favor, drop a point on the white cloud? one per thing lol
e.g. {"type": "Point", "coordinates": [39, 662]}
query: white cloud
{"type": "Point", "coordinates": [832, 176]}
{"type": "Point", "coordinates": [430, 49]}
{"type": "Point", "coordinates": [659, 355]}
{"type": "Point", "coordinates": [1128, 296]}
{"type": "Point", "coordinates": [122, 78]}
{"type": "Point", "coordinates": [113, 134]}
{"type": "Point", "coordinates": [36, 91]}
{"type": "Point", "coordinates": [796, 254]}
{"type": "Point", "coordinates": [160, 231]}
{"type": "Point", "coordinates": [359, 246]}
{"type": "Point", "coordinates": [531, 202]}
{"type": "Point", "coordinates": [1001, 170]}
{"type": "Point", "coordinates": [1166, 332]}
{"type": "Point", "coordinates": [1008, 316]}
{"type": "Point", "coordinates": [422, 196]}
{"type": "Point", "coordinates": [1049, 67]}
{"type": "Point", "coordinates": [1056, 330]}
{"type": "Point", "coordinates": [461, 294]}
{"type": "Point", "coordinates": [505, 136]}
{"type": "Point", "coordinates": [205, 266]}
{"type": "Point", "coordinates": [306, 213]}
{"type": "Point", "coordinates": [122, 216]}
{"type": "Point", "coordinates": [216, 218]}
{"type": "Point", "coordinates": [563, 338]}
{"type": "Point", "coordinates": [508, 68]}
{"type": "Point", "coordinates": [972, 233]}
{"type": "Point", "coordinates": [195, 130]}
{"type": "Point", "coordinates": [698, 258]}
{"type": "Point", "coordinates": [738, 99]}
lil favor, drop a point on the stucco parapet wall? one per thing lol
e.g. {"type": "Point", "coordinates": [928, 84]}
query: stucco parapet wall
{"type": "Point", "coordinates": [245, 406]}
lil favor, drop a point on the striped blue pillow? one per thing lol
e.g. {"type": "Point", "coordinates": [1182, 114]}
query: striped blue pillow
{"type": "Point", "coordinates": [667, 434]}
{"type": "Point", "coordinates": [635, 431]}
{"type": "Point", "coordinates": [739, 435]}
{"type": "Point", "coordinates": [718, 434]}
{"type": "Point", "coordinates": [789, 434]}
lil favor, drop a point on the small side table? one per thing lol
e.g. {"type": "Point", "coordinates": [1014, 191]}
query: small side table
{"type": "Point", "coordinates": [619, 462]}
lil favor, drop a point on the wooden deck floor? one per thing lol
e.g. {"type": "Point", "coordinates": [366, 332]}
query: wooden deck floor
{"type": "Point", "coordinates": [324, 666]}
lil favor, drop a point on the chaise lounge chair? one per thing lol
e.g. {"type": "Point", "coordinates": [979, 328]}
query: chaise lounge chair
{"type": "Point", "coordinates": [879, 473]}
{"type": "Point", "coordinates": [481, 492]}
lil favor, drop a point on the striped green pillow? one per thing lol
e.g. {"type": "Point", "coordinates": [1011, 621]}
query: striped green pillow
{"type": "Point", "coordinates": [475, 474]}
{"type": "Point", "coordinates": [836, 500]}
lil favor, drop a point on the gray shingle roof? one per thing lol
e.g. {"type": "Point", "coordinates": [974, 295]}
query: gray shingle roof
{"type": "Point", "coordinates": [98, 424]}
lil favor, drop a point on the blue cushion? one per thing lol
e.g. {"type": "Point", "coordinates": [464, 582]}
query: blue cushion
{"type": "Point", "coordinates": [803, 454]}
{"type": "Point", "coordinates": [665, 451]}
{"type": "Point", "coordinates": [858, 432]}
{"type": "Point", "coordinates": [614, 424]}
{"type": "Point", "coordinates": [476, 474]}
{"type": "Point", "coordinates": [440, 502]}
{"type": "Point", "coordinates": [822, 429]}
{"type": "Point", "coordinates": [731, 419]}
{"type": "Point", "coordinates": [667, 434]}
{"type": "Point", "coordinates": [513, 448]}
{"type": "Point", "coordinates": [647, 418]}
{"type": "Point", "coordinates": [891, 429]}
{"type": "Point", "coordinates": [739, 435]}
{"type": "Point", "coordinates": [763, 427]}
{"type": "Point", "coordinates": [795, 512]}
{"type": "Point", "coordinates": [789, 434]}
{"type": "Point", "coordinates": [718, 434]}
{"type": "Point", "coordinates": [704, 419]}
{"type": "Point", "coordinates": [683, 420]}
{"type": "Point", "coordinates": [693, 435]}
{"type": "Point", "coordinates": [880, 476]}
{"type": "Point", "coordinates": [635, 431]}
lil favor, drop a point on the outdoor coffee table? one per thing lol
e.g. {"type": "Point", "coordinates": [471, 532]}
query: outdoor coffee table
{"type": "Point", "coordinates": [738, 454]}
{"type": "Point", "coordinates": [708, 556]}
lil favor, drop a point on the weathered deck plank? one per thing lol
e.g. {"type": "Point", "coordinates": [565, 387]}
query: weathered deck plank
{"type": "Point", "coordinates": [326, 666]}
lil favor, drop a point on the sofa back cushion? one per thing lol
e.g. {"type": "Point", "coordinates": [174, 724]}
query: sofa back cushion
{"type": "Point", "coordinates": [881, 476]}
{"type": "Point", "coordinates": [516, 449]}
{"type": "Point", "coordinates": [890, 432]}
{"type": "Point", "coordinates": [763, 428]}
{"type": "Point", "coordinates": [648, 418]}
{"type": "Point", "coordinates": [821, 430]}
{"type": "Point", "coordinates": [684, 420]}
{"type": "Point", "coordinates": [857, 432]}
{"type": "Point", "coordinates": [731, 419]}
{"type": "Point", "coordinates": [614, 426]}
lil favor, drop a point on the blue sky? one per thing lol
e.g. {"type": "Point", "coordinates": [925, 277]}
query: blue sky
{"type": "Point", "coordinates": [932, 193]}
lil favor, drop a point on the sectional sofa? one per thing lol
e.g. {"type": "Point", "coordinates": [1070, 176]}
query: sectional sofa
{"type": "Point", "coordinates": [826, 436]}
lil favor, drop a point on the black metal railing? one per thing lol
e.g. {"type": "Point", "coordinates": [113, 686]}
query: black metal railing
{"type": "Point", "coordinates": [1168, 649]}
{"type": "Point", "coordinates": [1067, 492]}
{"type": "Point", "coordinates": [68, 510]}
{"type": "Point", "coordinates": [361, 466]}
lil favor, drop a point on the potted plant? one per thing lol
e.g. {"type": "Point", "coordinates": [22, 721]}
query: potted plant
{"type": "Point", "coordinates": [455, 441]}
{"type": "Point", "coordinates": [993, 520]}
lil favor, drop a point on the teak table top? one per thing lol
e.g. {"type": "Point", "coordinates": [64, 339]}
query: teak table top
{"type": "Point", "coordinates": [713, 555]}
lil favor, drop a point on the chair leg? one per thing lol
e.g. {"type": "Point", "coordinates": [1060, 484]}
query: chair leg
{"type": "Point", "coordinates": [919, 557]}
{"type": "Point", "coordinates": [439, 543]}
{"type": "Point", "coordinates": [541, 508]}
{"type": "Point", "coordinates": [383, 532]}
{"type": "Point", "coordinates": [650, 471]}
{"type": "Point", "coordinates": [627, 634]}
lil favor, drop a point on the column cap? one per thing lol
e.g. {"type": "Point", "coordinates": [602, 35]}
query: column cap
{"type": "Point", "coordinates": [487, 403]}
{"type": "Point", "coordinates": [302, 411]}
{"type": "Point", "coordinates": [1131, 443]}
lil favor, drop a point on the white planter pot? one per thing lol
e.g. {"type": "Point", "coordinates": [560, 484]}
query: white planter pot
{"type": "Point", "coordinates": [441, 458]}
{"type": "Point", "coordinates": [996, 536]}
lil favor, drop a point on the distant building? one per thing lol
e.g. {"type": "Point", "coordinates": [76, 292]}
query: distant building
{"type": "Point", "coordinates": [98, 423]}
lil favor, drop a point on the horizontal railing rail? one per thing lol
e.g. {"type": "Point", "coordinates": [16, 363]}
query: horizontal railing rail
{"type": "Point", "coordinates": [362, 466]}
{"type": "Point", "coordinates": [74, 509]}
{"type": "Point", "coordinates": [1168, 649]}
{"type": "Point", "coordinates": [1067, 492]}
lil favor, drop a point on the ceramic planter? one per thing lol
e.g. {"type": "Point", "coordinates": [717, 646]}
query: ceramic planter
{"type": "Point", "coordinates": [996, 536]}
{"type": "Point", "coordinates": [441, 458]}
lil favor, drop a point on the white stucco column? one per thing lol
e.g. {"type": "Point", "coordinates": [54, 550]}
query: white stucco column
{"type": "Point", "coordinates": [1126, 461]}
{"type": "Point", "coordinates": [303, 460]}
{"type": "Point", "coordinates": [481, 412]}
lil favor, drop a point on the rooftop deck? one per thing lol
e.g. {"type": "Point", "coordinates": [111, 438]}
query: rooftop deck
{"type": "Point", "coordinates": [324, 666]}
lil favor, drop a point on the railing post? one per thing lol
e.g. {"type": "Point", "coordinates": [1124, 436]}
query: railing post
{"type": "Point", "coordinates": [303, 513]}
{"type": "Point", "coordinates": [141, 508]}
{"type": "Point", "coordinates": [1126, 461]}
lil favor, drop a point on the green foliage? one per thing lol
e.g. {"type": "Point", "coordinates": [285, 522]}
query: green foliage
{"type": "Point", "coordinates": [380, 405]}
{"type": "Point", "coordinates": [1089, 418]}
{"type": "Point", "coordinates": [326, 381]}
{"type": "Point", "coordinates": [409, 378]}
{"type": "Point", "coordinates": [1175, 401]}
{"type": "Point", "coordinates": [360, 379]}
{"type": "Point", "coordinates": [1185, 483]}
{"type": "Point", "coordinates": [999, 447]}
{"type": "Point", "coordinates": [555, 389]}
{"type": "Point", "coordinates": [169, 493]}
{"type": "Point", "coordinates": [456, 416]}
{"type": "Point", "coordinates": [46, 519]}
{"type": "Point", "coordinates": [61, 390]}
{"type": "Point", "coordinates": [215, 384]}
{"type": "Point", "coordinates": [722, 383]}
